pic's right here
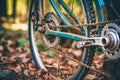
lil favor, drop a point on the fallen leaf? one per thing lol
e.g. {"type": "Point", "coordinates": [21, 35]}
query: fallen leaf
{"type": "Point", "coordinates": [73, 63]}
{"type": "Point", "coordinates": [1, 47]}
{"type": "Point", "coordinates": [68, 72]}
{"type": "Point", "coordinates": [25, 60]}
{"type": "Point", "coordinates": [0, 54]}
{"type": "Point", "coordinates": [22, 55]}
{"type": "Point", "coordinates": [64, 50]}
{"type": "Point", "coordinates": [19, 49]}
{"type": "Point", "coordinates": [99, 66]}
{"type": "Point", "coordinates": [55, 65]}
{"type": "Point", "coordinates": [89, 77]}
{"type": "Point", "coordinates": [77, 53]}
{"type": "Point", "coordinates": [26, 72]}
{"type": "Point", "coordinates": [101, 56]}
{"type": "Point", "coordinates": [15, 68]}
{"type": "Point", "coordinates": [97, 61]}
{"type": "Point", "coordinates": [49, 60]}
{"type": "Point", "coordinates": [58, 78]}
{"type": "Point", "coordinates": [70, 50]}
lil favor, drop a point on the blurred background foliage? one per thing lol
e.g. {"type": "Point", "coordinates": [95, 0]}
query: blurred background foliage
{"type": "Point", "coordinates": [15, 12]}
{"type": "Point", "coordinates": [14, 17]}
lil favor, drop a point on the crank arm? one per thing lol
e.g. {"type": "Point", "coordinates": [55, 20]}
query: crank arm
{"type": "Point", "coordinates": [94, 41]}
{"type": "Point", "coordinates": [72, 36]}
{"type": "Point", "coordinates": [83, 40]}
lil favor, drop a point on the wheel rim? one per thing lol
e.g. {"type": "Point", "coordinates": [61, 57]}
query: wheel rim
{"type": "Point", "coordinates": [36, 52]}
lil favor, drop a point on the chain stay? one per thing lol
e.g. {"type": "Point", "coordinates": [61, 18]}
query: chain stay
{"type": "Point", "coordinates": [100, 24]}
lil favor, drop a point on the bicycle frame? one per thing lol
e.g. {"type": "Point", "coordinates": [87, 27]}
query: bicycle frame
{"type": "Point", "coordinates": [39, 9]}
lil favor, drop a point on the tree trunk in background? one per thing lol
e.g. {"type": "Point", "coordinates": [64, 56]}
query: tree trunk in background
{"type": "Point", "coordinates": [14, 9]}
{"type": "Point", "coordinates": [3, 8]}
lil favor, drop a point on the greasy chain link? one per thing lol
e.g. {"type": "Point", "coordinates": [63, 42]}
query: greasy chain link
{"type": "Point", "coordinates": [58, 50]}
{"type": "Point", "coordinates": [85, 25]}
{"type": "Point", "coordinates": [100, 24]}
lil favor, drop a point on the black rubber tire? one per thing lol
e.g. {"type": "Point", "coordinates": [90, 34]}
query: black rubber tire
{"type": "Point", "coordinates": [88, 52]}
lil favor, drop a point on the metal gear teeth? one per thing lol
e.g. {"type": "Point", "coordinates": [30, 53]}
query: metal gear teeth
{"type": "Point", "coordinates": [116, 53]}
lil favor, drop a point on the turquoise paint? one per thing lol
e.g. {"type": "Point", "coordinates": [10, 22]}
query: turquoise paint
{"type": "Point", "coordinates": [100, 4]}
{"type": "Point", "coordinates": [67, 9]}
{"type": "Point", "coordinates": [59, 13]}
{"type": "Point", "coordinates": [64, 19]}
{"type": "Point", "coordinates": [65, 35]}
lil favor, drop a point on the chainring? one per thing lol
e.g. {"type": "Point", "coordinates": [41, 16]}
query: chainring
{"type": "Point", "coordinates": [49, 40]}
{"type": "Point", "coordinates": [112, 49]}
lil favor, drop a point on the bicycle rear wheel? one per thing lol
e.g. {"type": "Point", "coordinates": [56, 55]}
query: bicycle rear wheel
{"type": "Point", "coordinates": [77, 72]}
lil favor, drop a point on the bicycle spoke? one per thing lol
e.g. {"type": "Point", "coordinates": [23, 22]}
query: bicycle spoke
{"type": "Point", "coordinates": [65, 62]}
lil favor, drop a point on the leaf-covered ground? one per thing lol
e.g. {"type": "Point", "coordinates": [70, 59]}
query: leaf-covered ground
{"type": "Point", "coordinates": [16, 62]}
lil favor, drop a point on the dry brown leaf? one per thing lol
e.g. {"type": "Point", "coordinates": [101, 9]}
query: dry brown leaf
{"type": "Point", "coordinates": [0, 54]}
{"type": "Point", "coordinates": [64, 50]}
{"type": "Point", "coordinates": [19, 49]}
{"type": "Point", "coordinates": [26, 72]}
{"type": "Point", "coordinates": [63, 67]}
{"type": "Point", "coordinates": [89, 77]}
{"type": "Point", "coordinates": [101, 56]}
{"type": "Point", "coordinates": [55, 65]}
{"type": "Point", "coordinates": [39, 72]}
{"type": "Point", "coordinates": [73, 63]}
{"type": "Point", "coordinates": [68, 72]}
{"type": "Point", "coordinates": [77, 53]}
{"type": "Point", "coordinates": [31, 65]}
{"type": "Point", "coordinates": [12, 58]}
{"type": "Point", "coordinates": [97, 61]}
{"type": "Point", "coordinates": [49, 60]}
{"type": "Point", "coordinates": [70, 50]}
{"type": "Point", "coordinates": [15, 68]}
{"type": "Point", "coordinates": [22, 55]}
{"type": "Point", "coordinates": [9, 42]}
{"type": "Point", "coordinates": [58, 78]}
{"type": "Point", "coordinates": [95, 56]}
{"type": "Point", "coordinates": [1, 48]}
{"type": "Point", "coordinates": [11, 50]}
{"type": "Point", "coordinates": [25, 60]}
{"type": "Point", "coordinates": [99, 66]}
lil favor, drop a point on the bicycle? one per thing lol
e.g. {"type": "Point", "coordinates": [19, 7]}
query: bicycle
{"type": "Point", "coordinates": [55, 28]}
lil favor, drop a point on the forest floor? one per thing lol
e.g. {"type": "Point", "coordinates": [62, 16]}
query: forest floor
{"type": "Point", "coordinates": [16, 62]}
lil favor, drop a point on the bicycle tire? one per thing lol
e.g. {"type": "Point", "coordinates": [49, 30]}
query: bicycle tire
{"type": "Point", "coordinates": [88, 52]}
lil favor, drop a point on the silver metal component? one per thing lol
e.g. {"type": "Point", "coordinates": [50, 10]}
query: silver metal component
{"type": "Point", "coordinates": [93, 41]}
{"type": "Point", "coordinates": [83, 44]}
{"type": "Point", "coordinates": [50, 40]}
{"type": "Point", "coordinates": [112, 49]}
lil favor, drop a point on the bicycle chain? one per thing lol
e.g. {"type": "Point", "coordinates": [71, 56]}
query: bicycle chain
{"type": "Point", "coordinates": [100, 24]}
{"type": "Point", "coordinates": [58, 50]}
